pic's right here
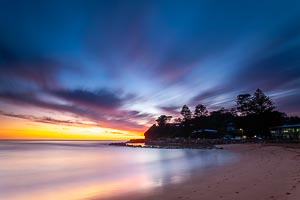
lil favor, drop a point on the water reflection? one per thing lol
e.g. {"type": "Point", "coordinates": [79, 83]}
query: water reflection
{"type": "Point", "coordinates": [86, 169]}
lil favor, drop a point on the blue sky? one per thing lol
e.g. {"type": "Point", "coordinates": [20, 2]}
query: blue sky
{"type": "Point", "coordinates": [123, 63]}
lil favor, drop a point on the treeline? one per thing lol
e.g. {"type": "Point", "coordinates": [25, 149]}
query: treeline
{"type": "Point", "coordinates": [252, 115]}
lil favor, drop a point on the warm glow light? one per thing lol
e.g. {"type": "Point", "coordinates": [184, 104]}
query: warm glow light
{"type": "Point", "coordinates": [22, 129]}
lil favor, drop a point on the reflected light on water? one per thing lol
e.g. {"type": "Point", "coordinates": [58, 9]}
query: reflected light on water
{"type": "Point", "coordinates": [91, 169]}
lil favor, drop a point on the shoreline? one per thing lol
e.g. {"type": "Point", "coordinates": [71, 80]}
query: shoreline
{"type": "Point", "coordinates": [264, 171]}
{"type": "Point", "coordinates": [198, 144]}
{"type": "Point", "coordinates": [164, 146]}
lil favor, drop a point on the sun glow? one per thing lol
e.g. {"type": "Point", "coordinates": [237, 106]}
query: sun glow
{"type": "Point", "coordinates": [24, 129]}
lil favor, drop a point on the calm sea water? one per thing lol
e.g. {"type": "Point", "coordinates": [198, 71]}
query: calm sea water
{"type": "Point", "coordinates": [92, 169]}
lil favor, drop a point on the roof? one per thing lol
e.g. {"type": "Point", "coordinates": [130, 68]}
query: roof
{"type": "Point", "coordinates": [288, 126]}
{"type": "Point", "coordinates": [205, 130]}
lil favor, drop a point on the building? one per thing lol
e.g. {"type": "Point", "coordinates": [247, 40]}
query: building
{"type": "Point", "coordinates": [206, 134]}
{"type": "Point", "coordinates": [288, 132]}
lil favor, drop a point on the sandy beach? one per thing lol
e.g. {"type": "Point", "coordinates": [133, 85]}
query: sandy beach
{"type": "Point", "coordinates": [263, 172]}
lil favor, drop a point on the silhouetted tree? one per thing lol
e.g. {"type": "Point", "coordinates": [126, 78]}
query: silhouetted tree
{"type": "Point", "coordinates": [254, 114]}
{"type": "Point", "coordinates": [178, 120]}
{"type": "Point", "coordinates": [292, 120]}
{"type": "Point", "coordinates": [200, 110]}
{"type": "Point", "coordinates": [260, 103]}
{"type": "Point", "coordinates": [257, 113]}
{"type": "Point", "coordinates": [186, 113]}
{"type": "Point", "coordinates": [243, 104]}
{"type": "Point", "coordinates": [233, 112]}
{"type": "Point", "coordinates": [219, 119]}
{"type": "Point", "coordinates": [163, 119]}
{"type": "Point", "coordinates": [256, 104]}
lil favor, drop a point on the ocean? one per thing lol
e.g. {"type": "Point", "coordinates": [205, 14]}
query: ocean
{"type": "Point", "coordinates": [71, 170]}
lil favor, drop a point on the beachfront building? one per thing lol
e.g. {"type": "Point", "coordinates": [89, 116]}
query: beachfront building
{"type": "Point", "coordinates": [206, 134]}
{"type": "Point", "coordinates": [288, 132]}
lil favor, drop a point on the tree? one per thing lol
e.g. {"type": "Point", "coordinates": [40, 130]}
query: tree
{"type": "Point", "coordinates": [163, 119]}
{"type": "Point", "coordinates": [257, 104]}
{"type": "Point", "coordinates": [292, 120]}
{"type": "Point", "coordinates": [186, 113]}
{"type": "Point", "coordinates": [233, 111]}
{"type": "Point", "coordinates": [257, 113]}
{"type": "Point", "coordinates": [200, 110]}
{"type": "Point", "coordinates": [178, 120]}
{"type": "Point", "coordinates": [260, 103]}
{"type": "Point", "coordinates": [243, 103]}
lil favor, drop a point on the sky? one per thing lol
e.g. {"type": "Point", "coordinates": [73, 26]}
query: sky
{"type": "Point", "coordinates": [107, 69]}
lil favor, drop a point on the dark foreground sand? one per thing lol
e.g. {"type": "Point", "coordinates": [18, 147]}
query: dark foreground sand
{"type": "Point", "coordinates": [263, 172]}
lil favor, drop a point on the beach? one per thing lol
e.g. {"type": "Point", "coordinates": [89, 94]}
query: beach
{"type": "Point", "coordinates": [93, 170]}
{"type": "Point", "coordinates": [262, 172]}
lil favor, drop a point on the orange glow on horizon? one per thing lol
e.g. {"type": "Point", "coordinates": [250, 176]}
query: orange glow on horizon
{"type": "Point", "coordinates": [24, 129]}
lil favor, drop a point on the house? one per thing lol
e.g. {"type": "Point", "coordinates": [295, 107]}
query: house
{"type": "Point", "coordinates": [289, 132]}
{"type": "Point", "coordinates": [206, 134]}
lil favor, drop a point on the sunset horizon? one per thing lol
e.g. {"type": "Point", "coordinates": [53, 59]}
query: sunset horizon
{"type": "Point", "coordinates": [149, 99]}
{"type": "Point", "coordinates": [108, 70]}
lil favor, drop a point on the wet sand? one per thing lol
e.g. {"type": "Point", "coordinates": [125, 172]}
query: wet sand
{"type": "Point", "coordinates": [263, 172]}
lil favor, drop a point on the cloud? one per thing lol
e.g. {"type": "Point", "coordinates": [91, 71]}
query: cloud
{"type": "Point", "coordinates": [48, 120]}
{"type": "Point", "coordinates": [114, 132]}
{"type": "Point", "coordinates": [135, 114]}
{"type": "Point", "coordinates": [38, 70]}
{"type": "Point", "coordinates": [170, 110]}
{"type": "Point", "coordinates": [276, 63]}
{"type": "Point", "coordinates": [102, 108]}
{"type": "Point", "coordinates": [101, 100]}
{"type": "Point", "coordinates": [165, 53]}
{"type": "Point", "coordinates": [289, 104]}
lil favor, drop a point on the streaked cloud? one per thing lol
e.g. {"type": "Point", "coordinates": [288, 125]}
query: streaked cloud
{"type": "Point", "coordinates": [121, 64]}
